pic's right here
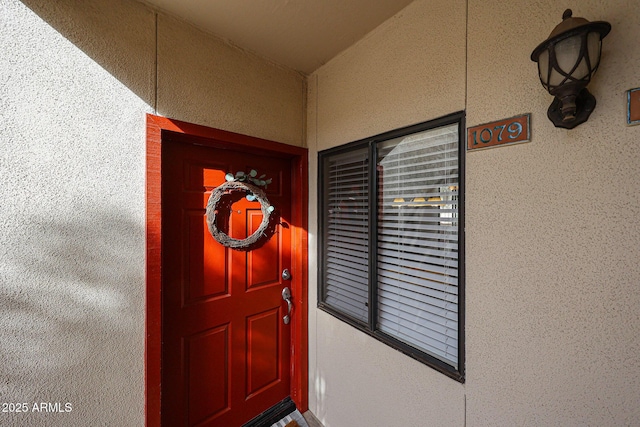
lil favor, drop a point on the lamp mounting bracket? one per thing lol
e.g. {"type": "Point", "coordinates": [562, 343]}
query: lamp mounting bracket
{"type": "Point", "coordinates": [585, 104]}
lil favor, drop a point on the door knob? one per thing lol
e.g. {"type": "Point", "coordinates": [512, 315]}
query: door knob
{"type": "Point", "coordinates": [286, 295]}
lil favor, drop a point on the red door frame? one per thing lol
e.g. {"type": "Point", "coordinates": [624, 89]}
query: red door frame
{"type": "Point", "coordinates": [156, 126]}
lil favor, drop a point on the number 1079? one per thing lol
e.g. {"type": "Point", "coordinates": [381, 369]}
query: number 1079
{"type": "Point", "coordinates": [500, 132]}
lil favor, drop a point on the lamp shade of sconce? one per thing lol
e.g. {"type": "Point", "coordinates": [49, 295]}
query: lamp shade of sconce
{"type": "Point", "coordinates": [567, 61]}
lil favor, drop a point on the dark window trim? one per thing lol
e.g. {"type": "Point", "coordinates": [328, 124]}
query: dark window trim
{"type": "Point", "coordinates": [370, 327]}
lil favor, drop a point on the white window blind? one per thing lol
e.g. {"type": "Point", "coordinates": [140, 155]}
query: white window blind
{"type": "Point", "coordinates": [346, 228]}
{"type": "Point", "coordinates": [391, 240]}
{"type": "Point", "coordinates": [417, 241]}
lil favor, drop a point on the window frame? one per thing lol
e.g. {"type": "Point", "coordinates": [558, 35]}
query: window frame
{"type": "Point", "coordinates": [370, 327]}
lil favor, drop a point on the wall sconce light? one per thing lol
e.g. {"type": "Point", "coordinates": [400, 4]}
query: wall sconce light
{"type": "Point", "coordinates": [566, 62]}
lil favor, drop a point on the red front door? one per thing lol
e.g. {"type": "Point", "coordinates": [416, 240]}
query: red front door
{"type": "Point", "coordinates": [225, 347]}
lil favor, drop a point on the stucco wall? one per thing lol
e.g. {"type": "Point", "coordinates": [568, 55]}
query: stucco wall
{"type": "Point", "coordinates": [410, 69]}
{"type": "Point", "coordinates": [204, 81]}
{"type": "Point", "coordinates": [76, 80]}
{"type": "Point", "coordinates": [553, 232]}
{"type": "Point", "coordinates": [552, 226]}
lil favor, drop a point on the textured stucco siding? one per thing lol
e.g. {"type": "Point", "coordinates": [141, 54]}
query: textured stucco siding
{"type": "Point", "coordinates": [76, 80]}
{"type": "Point", "coordinates": [409, 70]}
{"type": "Point", "coordinates": [72, 217]}
{"type": "Point", "coordinates": [552, 226]}
{"type": "Point", "coordinates": [553, 232]}
{"type": "Point", "coordinates": [204, 81]}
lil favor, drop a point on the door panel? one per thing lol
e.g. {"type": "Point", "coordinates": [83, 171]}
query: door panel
{"type": "Point", "coordinates": [226, 351]}
{"type": "Point", "coordinates": [262, 351]}
{"type": "Point", "coordinates": [207, 372]}
{"type": "Point", "coordinates": [264, 265]}
{"type": "Point", "coordinates": [207, 268]}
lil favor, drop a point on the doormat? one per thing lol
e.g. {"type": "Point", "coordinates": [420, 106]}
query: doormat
{"type": "Point", "coordinates": [284, 414]}
{"type": "Point", "coordinates": [294, 419]}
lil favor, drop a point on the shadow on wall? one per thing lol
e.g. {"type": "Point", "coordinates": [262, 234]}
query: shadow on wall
{"type": "Point", "coordinates": [65, 288]}
{"type": "Point", "coordinates": [72, 210]}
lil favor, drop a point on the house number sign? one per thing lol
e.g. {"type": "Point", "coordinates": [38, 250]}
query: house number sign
{"type": "Point", "coordinates": [507, 131]}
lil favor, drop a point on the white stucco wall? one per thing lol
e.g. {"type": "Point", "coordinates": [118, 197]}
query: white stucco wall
{"type": "Point", "coordinates": [410, 69]}
{"type": "Point", "coordinates": [76, 80]}
{"type": "Point", "coordinates": [553, 232]}
{"type": "Point", "coordinates": [204, 81]}
{"type": "Point", "coordinates": [552, 226]}
{"type": "Point", "coordinates": [72, 219]}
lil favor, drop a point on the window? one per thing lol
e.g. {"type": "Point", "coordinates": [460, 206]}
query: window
{"type": "Point", "coordinates": [391, 239]}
